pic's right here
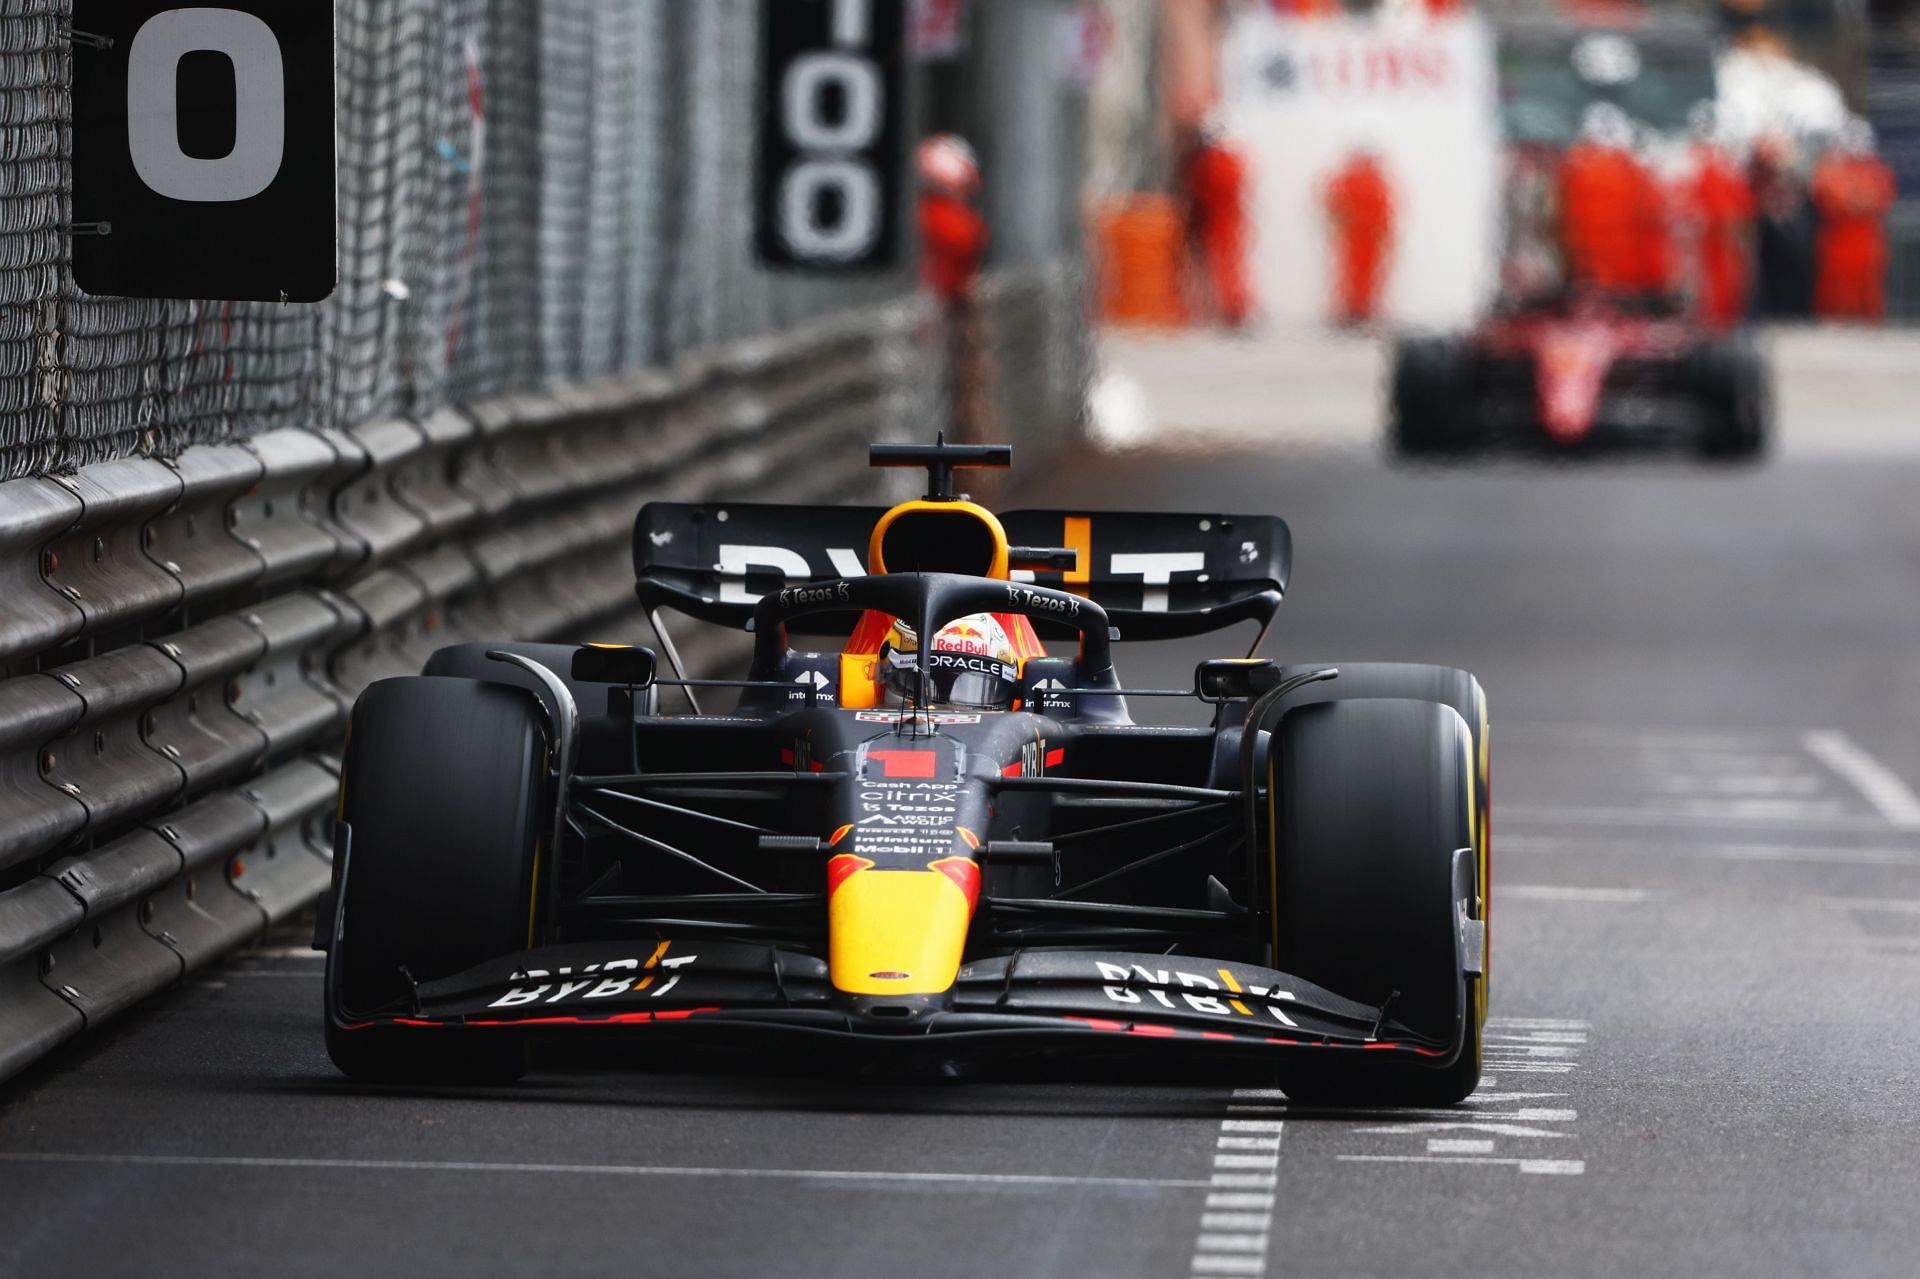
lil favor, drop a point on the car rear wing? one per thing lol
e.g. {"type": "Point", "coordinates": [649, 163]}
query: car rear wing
{"type": "Point", "coordinates": [1159, 576]}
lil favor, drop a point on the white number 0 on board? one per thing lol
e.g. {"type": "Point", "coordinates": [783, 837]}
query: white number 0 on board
{"type": "Point", "coordinates": [153, 108]}
{"type": "Point", "coordinates": [830, 160]}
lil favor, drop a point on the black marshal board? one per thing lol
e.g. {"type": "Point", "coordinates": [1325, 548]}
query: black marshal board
{"type": "Point", "coordinates": [203, 150]}
{"type": "Point", "coordinates": [833, 97]}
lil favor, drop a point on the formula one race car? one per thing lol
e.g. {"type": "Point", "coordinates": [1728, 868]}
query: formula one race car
{"type": "Point", "coordinates": [942, 844]}
{"type": "Point", "coordinates": [1576, 369]}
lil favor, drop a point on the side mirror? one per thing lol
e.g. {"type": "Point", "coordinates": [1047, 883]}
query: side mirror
{"type": "Point", "coordinates": [623, 664]}
{"type": "Point", "coordinates": [1234, 679]}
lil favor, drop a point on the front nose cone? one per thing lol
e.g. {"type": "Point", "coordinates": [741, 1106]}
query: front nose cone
{"type": "Point", "coordinates": [898, 934]}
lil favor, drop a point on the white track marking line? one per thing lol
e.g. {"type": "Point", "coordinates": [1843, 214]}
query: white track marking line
{"type": "Point", "coordinates": [1235, 1242]}
{"type": "Point", "coordinates": [1238, 1199]}
{"type": "Point", "coordinates": [1459, 1146]}
{"type": "Point", "coordinates": [1540, 1023]}
{"type": "Point", "coordinates": [592, 1170]}
{"type": "Point", "coordinates": [1491, 1129]}
{"type": "Point", "coordinates": [1711, 851]}
{"type": "Point", "coordinates": [1688, 739]}
{"type": "Point", "coordinates": [1239, 1241]}
{"type": "Point", "coordinates": [1236, 1159]}
{"type": "Point", "coordinates": [1739, 785]}
{"type": "Point", "coordinates": [1232, 1142]}
{"type": "Point", "coordinates": [1795, 814]}
{"type": "Point", "coordinates": [1549, 1167]}
{"type": "Point", "coordinates": [1894, 905]}
{"type": "Point", "coordinates": [1878, 784]}
{"type": "Point", "coordinates": [1568, 893]}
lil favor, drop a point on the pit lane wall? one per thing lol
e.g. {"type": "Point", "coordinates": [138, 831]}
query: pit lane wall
{"type": "Point", "coordinates": [181, 637]}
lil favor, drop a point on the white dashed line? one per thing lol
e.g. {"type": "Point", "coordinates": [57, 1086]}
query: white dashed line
{"type": "Point", "coordinates": [1683, 739]}
{"type": "Point", "coordinates": [1568, 893]}
{"type": "Point", "coordinates": [1822, 815]}
{"type": "Point", "coordinates": [1886, 905]}
{"type": "Point", "coordinates": [1548, 1167]}
{"type": "Point", "coordinates": [1588, 846]}
{"type": "Point", "coordinates": [1239, 1212]}
{"type": "Point", "coordinates": [1878, 784]}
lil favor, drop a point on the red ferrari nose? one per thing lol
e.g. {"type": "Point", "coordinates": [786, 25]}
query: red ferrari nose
{"type": "Point", "coordinates": [1569, 371]}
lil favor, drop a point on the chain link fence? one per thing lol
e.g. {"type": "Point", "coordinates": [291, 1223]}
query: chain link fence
{"type": "Point", "coordinates": [530, 194]}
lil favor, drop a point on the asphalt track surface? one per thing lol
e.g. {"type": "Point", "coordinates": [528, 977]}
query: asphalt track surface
{"type": "Point", "coordinates": [1704, 693]}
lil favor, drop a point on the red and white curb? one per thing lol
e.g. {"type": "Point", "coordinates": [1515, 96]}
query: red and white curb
{"type": "Point", "coordinates": [1239, 1212]}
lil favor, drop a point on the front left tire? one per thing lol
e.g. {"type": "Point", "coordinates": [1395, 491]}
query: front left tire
{"type": "Point", "coordinates": [445, 804]}
{"type": "Point", "coordinates": [1372, 848]}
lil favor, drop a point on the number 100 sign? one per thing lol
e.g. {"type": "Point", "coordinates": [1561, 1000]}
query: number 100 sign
{"type": "Point", "coordinates": [203, 152]}
{"type": "Point", "coordinates": [832, 93]}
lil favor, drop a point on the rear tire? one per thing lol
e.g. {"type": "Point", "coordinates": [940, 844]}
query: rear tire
{"type": "Point", "coordinates": [1431, 398]}
{"type": "Point", "coordinates": [443, 794]}
{"type": "Point", "coordinates": [1372, 798]}
{"type": "Point", "coordinates": [1732, 384]}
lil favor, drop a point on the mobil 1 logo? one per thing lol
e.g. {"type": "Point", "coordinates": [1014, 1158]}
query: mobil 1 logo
{"type": "Point", "coordinates": [203, 154]}
{"type": "Point", "coordinates": [832, 94]}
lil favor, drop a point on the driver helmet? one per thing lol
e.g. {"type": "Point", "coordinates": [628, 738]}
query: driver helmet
{"type": "Point", "coordinates": [947, 165]}
{"type": "Point", "coordinates": [970, 664]}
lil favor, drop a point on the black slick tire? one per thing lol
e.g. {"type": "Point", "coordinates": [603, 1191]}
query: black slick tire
{"type": "Point", "coordinates": [1430, 398]}
{"type": "Point", "coordinates": [443, 797]}
{"type": "Point", "coordinates": [1372, 797]}
{"type": "Point", "coordinates": [1731, 381]}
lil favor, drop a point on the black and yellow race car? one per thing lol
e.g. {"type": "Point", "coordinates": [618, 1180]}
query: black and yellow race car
{"type": "Point", "coordinates": [938, 842]}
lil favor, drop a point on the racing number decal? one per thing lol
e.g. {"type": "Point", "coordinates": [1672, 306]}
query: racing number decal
{"type": "Point", "coordinates": [832, 90]}
{"type": "Point", "coordinates": [154, 70]}
{"type": "Point", "coordinates": [203, 149]}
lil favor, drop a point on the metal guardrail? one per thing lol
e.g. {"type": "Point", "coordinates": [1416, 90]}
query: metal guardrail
{"type": "Point", "coordinates": [180, 640]}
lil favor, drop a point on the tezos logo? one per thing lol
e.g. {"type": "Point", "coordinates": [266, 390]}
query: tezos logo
{"type": "Point", "coordinates": [1021, 597]}
{"type": "Point", "coordinates": [793, 596]}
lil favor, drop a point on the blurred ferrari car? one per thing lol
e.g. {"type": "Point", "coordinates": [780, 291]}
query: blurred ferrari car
{"type": "Point", "coordinates": [1603, 332]}
{"type": "Point", "coordinates": [1580, 368]}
